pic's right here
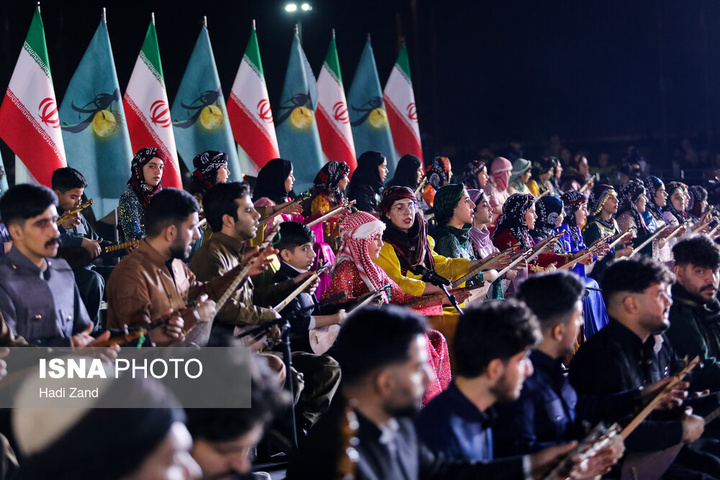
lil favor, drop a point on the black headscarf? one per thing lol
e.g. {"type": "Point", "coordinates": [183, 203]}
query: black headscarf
{"type": "Point", "coordinates": [327, 179]}
{"type": "Point", "coordinates": [697, 195]}
{"type": "Point", "coordinates": [271, 180]}
{"type": "Point", "coordinates": [406, 172]}
{"type": "Point", "coordinates": [572, 201]}
{"type": "Point", "coordinates": [137, 180]}
{"type": "Point", "coordinates": [412, 248]}
{"type": "Point", "coordinates": [628, 196]}
{"type": "Point", "coordinates": [367, 173]}
{"type": "Point", "coordinates": [513, 217]}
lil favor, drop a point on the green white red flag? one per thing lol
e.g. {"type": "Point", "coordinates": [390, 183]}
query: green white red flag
{"type": "Point", "coordinates": [400, 103]}
{"type": "Point", "coordinates": [29, 120]}
{"type": "Point", "coordinates": [147, 108]}
{"type": "Point", "coordinates": [332, 111]}
{"type": "Point", "coordinates": [249, 111]}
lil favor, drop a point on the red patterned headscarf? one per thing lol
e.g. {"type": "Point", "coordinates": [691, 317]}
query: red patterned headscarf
{"type": "Point", "coordinates": [137, 179]}
{"type": "Point", "coordinates": [358, 230]}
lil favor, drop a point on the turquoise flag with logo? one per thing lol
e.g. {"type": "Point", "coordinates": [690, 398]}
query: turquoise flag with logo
{"type": "Point", "coordinates": [295, 123]}
{"type": "Point", "coordinates": [200, 119]}
{"type": "Point", "coordinates": [368, 117]}
{"type": "Point", "coordinates": [93, 125]}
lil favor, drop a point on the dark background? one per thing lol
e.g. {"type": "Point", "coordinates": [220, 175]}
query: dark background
{"type": "Point", "coordinates": [603, 75]}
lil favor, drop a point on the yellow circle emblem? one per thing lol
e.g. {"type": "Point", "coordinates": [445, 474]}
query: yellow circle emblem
{"type": "Point", "coordinates": [301, 117]}
{"type": "Point", "coordinates": [211, 117]}
{"type": "Point", "coordinates": [378, 118]}
{"type": "Point", "coordinates": [104, 123]}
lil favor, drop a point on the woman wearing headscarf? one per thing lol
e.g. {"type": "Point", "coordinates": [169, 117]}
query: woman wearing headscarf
{"type": "Point", "coordinates": [497, 184]}
{"type": "Point", "coordinates": [439, 174]}
{"type": "Point", "coordinates": [632, 203]}
{"type": "Point", "coordinates": [514, 226]}
{"type": "Point", "coordinates": [355, 274]}
{"type": "Point", "coordinates": [408, 249]}
{"type": "Point", "coordinates": [454, 211]}
{"type": "Point", "coordinates": [273, 187]}
{"type": "Point", "coordinates": [408, 173]}
{"type": "Point", "coordinates": [577, 175]}
{"type": "Point", "coordinates": [594, 309]}
{"type": "Point", "coordinates": [697, 205]}
{"type": "Point", "coordinates": [675, 210]}
{"type": "Point", "coordinates": [146, 172]}
{"type": "Point", "coordinates": [542, 172]}
{"type": "Point", "coordinates": [475, 175]}
{"type": "Point", "coordinates": [366, 183]}
{"type": "Point", "coordinates": [520, 176]}
{"type": "Point", "coordinates": [328, 192]}
{"type": "Point", "coordinates": [210, 169]}
{"type": "Point", "coordinates": [657, 199]}
{"type": "Point", "coordinates": [481, 241]}
{"type": "Point", "coordinates": [602, 207]}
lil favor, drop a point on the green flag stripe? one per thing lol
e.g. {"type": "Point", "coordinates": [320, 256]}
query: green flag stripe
{"type": "Point", "coordinates": [403, 63]}
{"type": "Point", "coordinates": [150, 53]}
{"type": "Point", "coordinates": [332, 62]}
{"type": "Point", "coordinates": [252, 54]}
{"type": "Point", "coordinates": [35, 44]}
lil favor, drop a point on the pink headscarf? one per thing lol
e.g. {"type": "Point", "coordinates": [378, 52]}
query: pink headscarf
{"type": "Point", "coordinates": [358, 230]}
{"type": "Point", "coordinates": [500, 172]}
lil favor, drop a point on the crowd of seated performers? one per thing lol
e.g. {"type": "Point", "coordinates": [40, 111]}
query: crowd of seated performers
{"type": "Point", "coordinates": [516, 320]}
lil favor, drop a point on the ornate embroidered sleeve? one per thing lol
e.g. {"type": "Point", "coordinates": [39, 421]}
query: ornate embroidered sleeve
{"type": "Point", "coordinates": [342, 281]}
{"type": "Point", "coordinates": [129, 212]}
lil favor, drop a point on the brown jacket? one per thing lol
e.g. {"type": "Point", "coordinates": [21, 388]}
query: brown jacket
{"type": "Point", "coordinates": [141, 288]}
{"type": "Point", "coordinates": [221, 254]}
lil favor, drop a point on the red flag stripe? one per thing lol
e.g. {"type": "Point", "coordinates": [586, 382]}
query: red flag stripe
{"type": "Point", "coordinates": [403, 136]}
{"type": "Point", "coordinates": [333, 142]}
{"type": "Point", "coordinates": [251, 136]}
{"type": "Point", "coordinates": [21, 132]}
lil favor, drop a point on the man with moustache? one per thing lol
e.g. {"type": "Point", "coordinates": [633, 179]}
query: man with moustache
{"type": "Point", "coordinates": [154, 281]}
{"type": "Point", "coordinates": [632, 352]}
{"type": "Point", "coordinates": [38, 296]}
{"type": "Point", "coordinates": [695, 314]}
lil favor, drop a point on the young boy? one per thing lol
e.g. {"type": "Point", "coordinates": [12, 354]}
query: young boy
{"type": "Point", "coordinates": [297, 256]}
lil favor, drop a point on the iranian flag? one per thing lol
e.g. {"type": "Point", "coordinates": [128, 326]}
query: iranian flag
{"type": "Point", "coordinates": [29, 121]}
{"type": "Point", "coordinates": [400, 102]}
{"type": "Point", "coordinates": [249, 111]}
{"type": "Point", "coordinates": [147, 109]}
{"type": "Point", "coordinates": [332, 111]}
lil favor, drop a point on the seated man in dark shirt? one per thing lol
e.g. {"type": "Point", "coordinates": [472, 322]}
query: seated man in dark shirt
{"type": "Point", "coordinates": [632, 352]}
{"type": "Point", "coordinates": [385, 372]}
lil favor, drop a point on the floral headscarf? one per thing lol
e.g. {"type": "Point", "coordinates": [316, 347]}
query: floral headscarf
{"type": "Point", "coordinates": [572, 201]}
{"type": "Point", "coordinates": [137, 179]}
{"type": "Point", "coordinates": [206, 166]}
{"type": "Point", "coordinates": [629, 195]}
{"type": "Point", "coordinates": [513, 217]}
{"type": "Point", "coordinates": [543, 166]}
{"type": "Point", "coordinates": [499, 168]}
{"type": "Point", "coordinates": [599, 195]}
{"type": "Point", "coordinates": [438, 174]}
{"type": "Point", "coordinates": [327, 179]}
{"type": "Point", "coordinates": [471, 172]}
{"type": "Point", "coordinates": [358, 230]}
{"type": "Point", "coordinates": [671, 187]}
{"type": "Point", "coordinates": [548, 210]}
{"type": "Point", "coordinates": [412, 248]}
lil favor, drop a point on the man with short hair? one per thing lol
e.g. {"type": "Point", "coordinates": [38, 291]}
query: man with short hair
{"type": "Point", "coordinates": [632, 352]}
{"type": "Point", "coordinates": [154, 281]}
{"type": "Point", "coordinates": [223, 439]}
{"type": "Point", "coordinates": [38, 296]}
{"type": "Point", "coordinates": [695, 313]}
{"type": "Point", "coordinates": [384, 377]}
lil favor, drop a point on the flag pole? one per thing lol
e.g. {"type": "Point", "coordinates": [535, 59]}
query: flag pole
{"type": "Point", "coordinates": [205, 20]}
{"type": "Point", "coordinates": [152, 17]}
{"type": "Point", "coordinates": [104, 15]}
{"type": "Point", "coordinates": [38, 5]}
